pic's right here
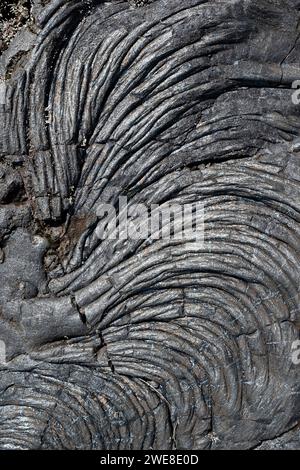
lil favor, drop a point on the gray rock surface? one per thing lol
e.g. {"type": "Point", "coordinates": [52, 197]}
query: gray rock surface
{"type": "Point", "coordinates": [114, 344]}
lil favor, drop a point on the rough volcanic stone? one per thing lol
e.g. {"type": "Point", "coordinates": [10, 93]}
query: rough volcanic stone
{"type": "Point", "coordinates": [113, 344]}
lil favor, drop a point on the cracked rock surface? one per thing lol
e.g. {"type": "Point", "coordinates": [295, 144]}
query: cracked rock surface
{"type": "Point", "coordinates": [150, 344]}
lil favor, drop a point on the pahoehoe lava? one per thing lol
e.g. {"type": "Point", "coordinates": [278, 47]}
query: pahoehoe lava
{"type": "Point", "coordinates": [132, 344]}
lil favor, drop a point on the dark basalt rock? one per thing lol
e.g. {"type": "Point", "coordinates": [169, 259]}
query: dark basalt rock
{"type": "Point", "coordinates": [135, 345]}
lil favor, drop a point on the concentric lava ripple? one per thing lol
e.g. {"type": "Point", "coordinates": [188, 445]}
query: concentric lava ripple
{"type": "Point", "coordinates": [153, 344]}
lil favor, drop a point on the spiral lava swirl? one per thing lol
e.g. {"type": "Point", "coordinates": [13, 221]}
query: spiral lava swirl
{"type": "Point", "coordinates": [154, 344]}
